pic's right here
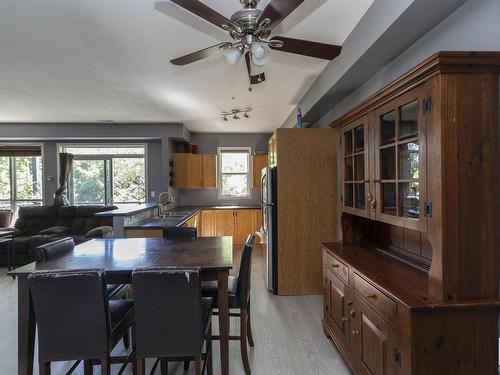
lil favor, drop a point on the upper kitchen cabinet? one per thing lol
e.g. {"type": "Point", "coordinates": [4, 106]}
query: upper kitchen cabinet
{"type": "Point", "coordinates": [259, 162]}
{"type": "Point", "coordinates": [195, 171]}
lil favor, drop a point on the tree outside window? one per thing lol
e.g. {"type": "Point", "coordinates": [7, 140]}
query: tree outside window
{"type": "Point", "coordinates": [234, 172]}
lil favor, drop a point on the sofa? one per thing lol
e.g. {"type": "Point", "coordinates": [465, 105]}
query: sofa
{"type": "Point", "coordinates": [36, 226]}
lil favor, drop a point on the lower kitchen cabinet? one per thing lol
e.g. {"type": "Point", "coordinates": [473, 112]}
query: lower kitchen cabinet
{"type": "Point", "coordinates": [194, 222]}
{"type": "Point", "coordinates": [378, 312]}
{"type": "Point", "coordinates": [236, 223]}
{"type": "Point", "coordinates": [143, 233]}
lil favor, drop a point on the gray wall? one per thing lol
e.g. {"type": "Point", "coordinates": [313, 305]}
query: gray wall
{"type": "Point", "coordinates": [159, 139]}
{"type": "Point", "coordinates": [207, 144]}
{"type": "Point", "coordinates": [475, 26]}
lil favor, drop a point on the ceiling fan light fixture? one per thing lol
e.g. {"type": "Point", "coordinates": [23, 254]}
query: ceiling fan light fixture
{"type": "Point", "coordinates": [260, 53]}
{"type": "Point", "coordinates": [232, 55]}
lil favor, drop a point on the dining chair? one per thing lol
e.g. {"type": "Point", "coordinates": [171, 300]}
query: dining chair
{"type": "Point", "coordinates": [173, 321]}
{"type": "Point", "coordinates": [180, 233]}
{"type": "Point", "coordinates": [75, 319]}
{"type": "Point", "coordinates": [239, 299]}
{"type": "Point", "coordinates": [55, 249]}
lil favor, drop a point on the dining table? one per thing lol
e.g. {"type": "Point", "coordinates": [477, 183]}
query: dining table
{"type": "Point", "coordinates": [119, 257]}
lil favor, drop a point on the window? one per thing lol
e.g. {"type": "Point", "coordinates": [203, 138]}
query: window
{"type": "Point", "coordinates": [104, 175]}
{"type": "Point", "coordinates": [234, 172]}
{"type": "Point", "coordinates": [20, 181]}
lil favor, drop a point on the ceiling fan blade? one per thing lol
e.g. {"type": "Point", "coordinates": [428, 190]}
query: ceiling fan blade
{"type": "Point", "coordinates": [254, 79]}
{"type": "Point", "coordinates": [278, 10]}
{"type": "Point", "coordinates": [201, 54]}
{"type": "Point", "coordinates": [203, 11]}
{"type": "Point", "coordinates": [307, 48]}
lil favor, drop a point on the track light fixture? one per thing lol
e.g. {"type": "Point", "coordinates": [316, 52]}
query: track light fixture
{"type": "Point", "coordinates": [235, 112]}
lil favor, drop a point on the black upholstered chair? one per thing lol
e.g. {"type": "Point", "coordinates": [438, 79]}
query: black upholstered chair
{"type": "Point", "coordinates": [66, 245]}
{"type": "Point", "coordinates": [75, 320]}
{"type": "Point", "coordinates": [239, 298]}
{"type": "Point", "coordinates": [180, 233]}
{"type": "Point", "coordinates": [173, 321]}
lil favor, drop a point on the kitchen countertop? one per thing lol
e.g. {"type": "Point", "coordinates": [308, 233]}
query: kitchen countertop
{"type": "Point", "coordinates": [127, 209]}
{"type": "Point", "coordinates": [162, 223]}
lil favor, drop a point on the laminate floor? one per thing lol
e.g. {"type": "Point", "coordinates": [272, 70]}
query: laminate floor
{"type": "Point", "coordinates": [288, 336]}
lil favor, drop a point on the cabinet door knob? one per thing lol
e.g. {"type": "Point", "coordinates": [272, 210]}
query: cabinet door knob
{"type": "Point", "coordinates": [344, 319]}
{"type": "Point", "coordinates": [335, 265]}
{"type": "Point", "coordinates": [370, 197]}
{"type": "Point", "coordinates": [356, 332]}
{"type": "Point", "coordinates": [349, 303]}
{"type": "Point", "coordinates": [372, 295]}
{"type": "Point", "coordinates": [352, 313]}
{"type": "Point", "coordinates": [374, 204]}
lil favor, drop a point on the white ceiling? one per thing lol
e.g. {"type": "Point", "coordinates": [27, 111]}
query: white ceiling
{"type": "Point", "coordinates": [95, 60]}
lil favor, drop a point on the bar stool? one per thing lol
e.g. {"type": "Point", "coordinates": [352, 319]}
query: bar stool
{"type": "Point", "coordinates": [75, 320]}
{"type": "Point", "coordinates": [173, 321]}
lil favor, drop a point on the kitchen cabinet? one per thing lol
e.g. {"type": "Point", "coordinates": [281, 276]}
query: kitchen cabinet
{"type": "Point", "coordinates": [195, 171]}
{"type": "Point", "coordinates": [236, 223]}
{"type": "Point", "coordinates": [337, 303]}
{"type": "Point", "coordinates": [259, 162]}
{"type": "Point", "coordinates": [143, 233]}
{"type": "Point", "coordinates": [209, 171]}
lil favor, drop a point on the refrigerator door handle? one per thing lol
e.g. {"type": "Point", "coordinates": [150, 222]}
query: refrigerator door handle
{"type": "Point", "coordinates": [264, 219]}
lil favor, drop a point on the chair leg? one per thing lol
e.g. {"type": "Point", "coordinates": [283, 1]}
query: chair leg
{"type": "Point", "coordinates": [105, 366]}
{"type": "Point", "coordinates": [140, 366]}
{"type": "Point", "coordinates": [44, 368]}
{"type": "Point", "coordinates": [164, 366]}
{"type": "Point", "coordinates": [88, 369]}
{"type": "Point", "coordinates": [243, 341]}
{"type": "Point", "coordinates": [186, 366]}
{"type": "Point", "coordinates": [249, 325]}
{"type": "Point", "coordinates": [197, 365]}
{"type": "Point", "coordinates": [209, 351]}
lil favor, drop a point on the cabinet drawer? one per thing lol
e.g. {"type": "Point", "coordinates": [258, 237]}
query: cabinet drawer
{"type": "Point", "coordinates": [376, 298]}
{"type": "Point", "coordinates": [337, 267]}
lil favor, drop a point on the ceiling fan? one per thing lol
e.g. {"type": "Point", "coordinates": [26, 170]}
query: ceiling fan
{"type": "Point", "coordinates": [250, 28]}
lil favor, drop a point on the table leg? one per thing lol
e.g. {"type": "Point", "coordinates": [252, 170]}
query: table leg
{"type": "Point", "coordinates": [25, 328]}
{"type": "Point", "coordinates": [222, 277]}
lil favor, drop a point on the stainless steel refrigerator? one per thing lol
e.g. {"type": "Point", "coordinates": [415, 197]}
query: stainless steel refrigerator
{"type": "Point", "coordinates": [270, 225]}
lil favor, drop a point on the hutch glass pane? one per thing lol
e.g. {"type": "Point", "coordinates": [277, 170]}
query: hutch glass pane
{"type": "Point", "coordinates": [409, 199]}
{"type": "Point", "coordinates": [359, 139]}
{"type": "Point", "coordinates": [408, 161]}
{"type": "Point", "coordinates": [348, 142]}
{"type": "Point", "coordinates": [388, 198]}
{"type": "Point", "coordinates": [388, 163]}
{"type": "Point", "coordinates": [359, 167]}
{"type": "Point", "coordinates": [408, 126]}
{"type": "Point", "coordinates": [388, 128]}
{"type": "Point", "coordinates": [359, 195]}
{"type": "Point", "coordinates": [348, 195]}
{"type": "Point", "coordinates": [349, 174]}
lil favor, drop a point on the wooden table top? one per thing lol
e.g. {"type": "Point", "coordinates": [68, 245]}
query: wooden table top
{"type": "Point", "coordinates": [127, 254]}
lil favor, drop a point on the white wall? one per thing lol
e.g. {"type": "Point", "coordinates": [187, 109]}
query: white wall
{"type": "Point", "coordinates": [475, 26]}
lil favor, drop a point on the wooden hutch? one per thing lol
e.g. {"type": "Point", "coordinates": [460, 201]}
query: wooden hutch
{"type": "Point", "coordinates": [414, 286]}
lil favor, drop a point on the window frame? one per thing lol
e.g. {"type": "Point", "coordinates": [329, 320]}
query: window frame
{"type": "Point", "coordinates": [108, 167]}
{"type": "Point", "coordinates": [13, 202]}
{"type": "Point", "coordinates": [249, 174]}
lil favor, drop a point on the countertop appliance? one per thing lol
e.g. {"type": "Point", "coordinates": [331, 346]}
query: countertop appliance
{"type": "Point", "coordinates": [270, 225]}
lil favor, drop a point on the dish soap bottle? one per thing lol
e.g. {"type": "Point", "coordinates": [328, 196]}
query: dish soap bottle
{"type": "Point", "coordinates": [299, 119]}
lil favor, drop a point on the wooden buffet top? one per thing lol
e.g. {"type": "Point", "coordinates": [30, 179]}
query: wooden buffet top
{"type": "Point", "coordinates": [401, 282]}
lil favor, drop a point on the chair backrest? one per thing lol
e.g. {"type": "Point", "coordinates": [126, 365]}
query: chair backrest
{"type": "Point", "coordinates": [54, 249]}
{"type": "Point", "coordinates": [245, 272]}
{"type": "Point", "coordinates": [72, 314]}
{"type": "Point", "coordinates": [168, 312]}
{"type": "Point", "coordinates": [180, 233]}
